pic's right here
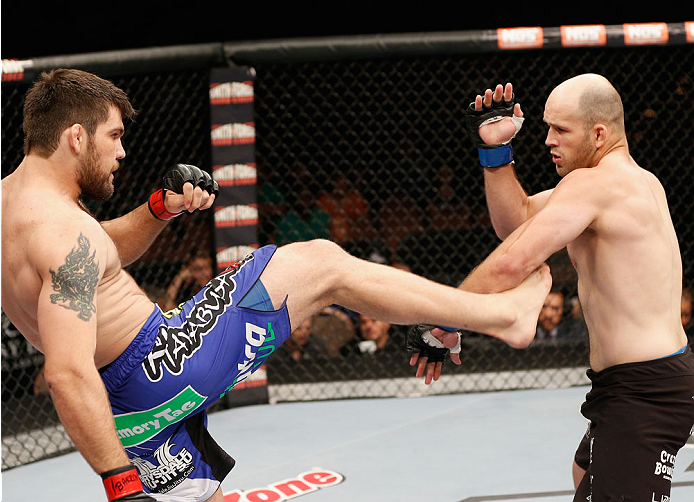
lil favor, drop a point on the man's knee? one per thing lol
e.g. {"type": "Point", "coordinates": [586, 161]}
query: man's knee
{"type": "Point", "coordinates": [320, 254]}
{"type": "Point", "coordinates": [318, 260]}
{"type": "Point", "coordinates": [316, 248]}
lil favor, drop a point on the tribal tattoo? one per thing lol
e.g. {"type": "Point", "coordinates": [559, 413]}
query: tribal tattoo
{"type": "Point", "coordinates": [75, 282]}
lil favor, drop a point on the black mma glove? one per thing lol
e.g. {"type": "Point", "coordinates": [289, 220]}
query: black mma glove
{"type": "Point", "coordinates": [420, 340]}
{"type": "Point", "coordinates": [499, 154]}
{"type": "Point", "coordinates": [123, 484]}
{"type": "Point", "coordinates": [174, 180]}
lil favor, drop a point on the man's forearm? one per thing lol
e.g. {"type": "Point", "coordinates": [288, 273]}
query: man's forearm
{"type": "Point", "coordinates": [82, 405]}
{"type": "Point", "coordinates": [134, 233]}
{"type": "Point", "coordinates": [506, 199]}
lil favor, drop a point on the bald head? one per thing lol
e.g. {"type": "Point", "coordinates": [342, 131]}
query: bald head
{"type": "Point", "coordinates": [594, 99]}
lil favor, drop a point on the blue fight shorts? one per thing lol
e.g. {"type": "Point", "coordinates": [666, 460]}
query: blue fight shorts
{"type": "Point", "coordinates": [181, 362]}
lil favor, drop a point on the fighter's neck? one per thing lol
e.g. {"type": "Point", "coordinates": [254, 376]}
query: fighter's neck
{"type": "Point", "coordinates": [50, 173]}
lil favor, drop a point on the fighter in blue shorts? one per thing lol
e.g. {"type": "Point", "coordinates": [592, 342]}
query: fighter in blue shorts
{"type": "Point", "coordinates": [181, 362]}
{"type": "Point", "coordinates": [131, 383]}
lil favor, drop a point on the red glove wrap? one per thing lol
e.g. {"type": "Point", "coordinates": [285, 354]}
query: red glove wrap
{"type": "Point", "coordinates": [157, 207]}
{"type": "Point", "coordinates": [121, 482]}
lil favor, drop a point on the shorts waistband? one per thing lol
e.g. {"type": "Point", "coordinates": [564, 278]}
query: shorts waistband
{"type": "Point", "coordinates": [113, 374]}
{"type": "Point", "coordinates": [678, 364]}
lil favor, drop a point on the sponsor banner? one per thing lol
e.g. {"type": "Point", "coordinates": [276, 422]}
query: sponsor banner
{"type": "Point", "coordinates": [232, 134]}
{"type": "Point", "coordinates": [14, 70]}
{"type": "Point", "coordinates": [235, 174]}
{"type": "Point", "coordinates": [520, 38]}
{"type": "Point", "coordinates": [227, 93]}
{"type": "Point", "coordinates": [240, 215]}
{"type": "Point", "coordinates": [582, 36]}
{"type": "Point", "coordinates": [646, 33]}
{"type": "Point", "coordinates": [306, 482]}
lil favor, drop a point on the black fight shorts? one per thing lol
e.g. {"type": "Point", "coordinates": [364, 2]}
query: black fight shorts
{"type": "Point", "coordinates": [640, 415]}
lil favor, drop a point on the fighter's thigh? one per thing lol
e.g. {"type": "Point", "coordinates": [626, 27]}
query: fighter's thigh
{"type": "Point", "coordinates": [622, 465]}
{"type": "Point", "coordinates": [305, 273]}
{"type": "Point", "coordinates": [577, 473]}
{"type": "Point", "coordinates": [217, 497]}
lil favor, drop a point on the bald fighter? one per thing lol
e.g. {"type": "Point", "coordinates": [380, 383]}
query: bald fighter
{"type": "Point", "coordinates": [613, 217]}
{"type": "Point", "coordinates": [131, 383]}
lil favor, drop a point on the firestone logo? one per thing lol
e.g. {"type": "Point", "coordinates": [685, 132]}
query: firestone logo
{"type": "Point", "coordinates": [235, 174]}
{"type": "Point", "coordinates": [231, 93]}
{"type": "Point", "coordinates": [306, 482]}
{"type": "Point", "coordinates": [233, 134]}
{"type": "Point", "coordinates": [236, 216]}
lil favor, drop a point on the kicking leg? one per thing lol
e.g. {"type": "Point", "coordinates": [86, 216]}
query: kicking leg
{"type": "Point", "coordinates": [318, 273]}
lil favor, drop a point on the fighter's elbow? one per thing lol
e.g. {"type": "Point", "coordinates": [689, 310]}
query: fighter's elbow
{"type": "Point", "coordinates": [512, 268]}
{"type": "Point", "coordinates": [60, 377]}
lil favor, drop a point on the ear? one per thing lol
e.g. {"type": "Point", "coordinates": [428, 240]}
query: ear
{"type": "Point", "coordinates": [599, 135]}
{"type": "Point", "coordinates": [76, 138]}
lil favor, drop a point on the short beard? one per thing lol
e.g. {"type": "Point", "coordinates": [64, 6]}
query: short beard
{"type": "Point", "coordinates": [581, 158]}
{"type": "Point", "coordinates": [92, 183]}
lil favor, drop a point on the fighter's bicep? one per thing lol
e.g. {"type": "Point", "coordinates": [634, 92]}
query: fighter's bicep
{"type": "Point", "coordinates": [565, 215]}
{"type": "Point", "coordinates": [70, 269]}
{"type": "Point", "coordinates": [537, 202]}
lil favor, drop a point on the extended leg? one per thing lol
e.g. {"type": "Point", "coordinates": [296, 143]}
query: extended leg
{"type": "Point", "coordinates": [314, 274]}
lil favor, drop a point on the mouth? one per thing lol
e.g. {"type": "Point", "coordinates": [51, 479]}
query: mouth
{"type": "Point", "coordinates": [555, 158]}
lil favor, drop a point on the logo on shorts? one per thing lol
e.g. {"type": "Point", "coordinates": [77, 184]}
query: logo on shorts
{"type": "Point", "coordinates": [140, 426]}
{"type": "Point", "coordinates": [258, 343]}
{"type": "Point", "coordinates": [665, 466]}
{"type": "Point", "coordinates": [175, 344]}
{"type": "Point", "coordinates": [172, 470]}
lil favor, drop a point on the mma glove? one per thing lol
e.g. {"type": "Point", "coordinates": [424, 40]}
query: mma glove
{"type": "Point", "coordinates": [420, 340]}
{"type": "Point", "coordinates": [501, 153]}
{"type": "Point", "coordinates": [123, 484]}
{"type": "Point", "coordinates": [174, 180]}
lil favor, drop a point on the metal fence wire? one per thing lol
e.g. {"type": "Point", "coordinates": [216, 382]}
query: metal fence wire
{"type": "Point", "coordinates": [371, 153]}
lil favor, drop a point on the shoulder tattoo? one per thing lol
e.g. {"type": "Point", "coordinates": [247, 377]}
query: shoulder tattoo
{"type": "Point", "coordinates": [75, 282]}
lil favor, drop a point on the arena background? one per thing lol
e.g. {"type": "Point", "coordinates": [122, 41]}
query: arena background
{"type": "Point", "coordinates": [360, 140]}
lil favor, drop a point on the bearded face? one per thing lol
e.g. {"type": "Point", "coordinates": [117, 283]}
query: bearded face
{"type": "Point", "coordinates": [94, 178]}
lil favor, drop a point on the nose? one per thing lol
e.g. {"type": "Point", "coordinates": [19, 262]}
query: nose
{"type": "Point", "coordinates": [120, 151]}
{"type": "Point", "coordinates": [551, 139]}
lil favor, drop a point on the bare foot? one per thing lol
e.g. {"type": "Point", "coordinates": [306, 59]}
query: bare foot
{"type": "Point", "coordinates": [527, 299]}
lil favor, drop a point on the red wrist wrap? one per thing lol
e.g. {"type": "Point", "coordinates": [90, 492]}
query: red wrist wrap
{"type": "Point", "coordinates": [123, 483]}
{"type": "Point", "coordinates": [157, 207]}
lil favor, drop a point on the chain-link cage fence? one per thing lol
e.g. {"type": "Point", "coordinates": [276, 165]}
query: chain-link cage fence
{"type": "Point", "coordinates": [372, 154]}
